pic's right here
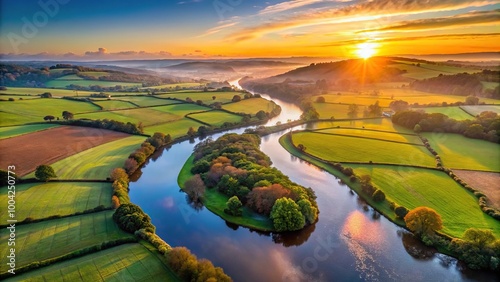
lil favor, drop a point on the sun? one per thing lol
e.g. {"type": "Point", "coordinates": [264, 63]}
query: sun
{"type": "Point", "coordinates": [366, 50]}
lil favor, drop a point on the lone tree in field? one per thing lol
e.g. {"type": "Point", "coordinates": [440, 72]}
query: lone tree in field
{"type": "Point", "coordinates": [45, 172]}
{"type": "Point", "coordinates": [195, 188]}
{"type": "Point", "coordinates": [423, 221]}
{"type": "Point", "coordinates": [46, 95]}
{"type": "Point", "coordinates": [67, 115]}
{"type": "Point", "coordinates": [236, 98]}
{"type": "Point", "coordinates": [49, 118]}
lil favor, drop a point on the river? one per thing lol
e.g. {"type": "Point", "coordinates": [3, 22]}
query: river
{"type": "Point", "coordinates": [350, 241]}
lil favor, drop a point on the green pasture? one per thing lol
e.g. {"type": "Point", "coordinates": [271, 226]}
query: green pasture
{"type": "Point", "coordinates": [148, 116]}
{"type": "Point", "coordinates": [490, 85]}
{"type": "Point", "coordinates": [216, 118]}
{"type": "Point", "coordinates": [358, 149]}
{"type": "Point", "coordinates": [206, 97]}
{"type": "Point", "coordinates": [174, 85]}
{"type": "Point", "coordinates": [41, 200]}
{"type": "Point", "coordinates": [19, 112]}
{"type": "Point", "coordinates": [145, 101]}
{"type": "Point", "coordinates": [129, 262]}
{"type": "Point", "coordinates": [181, 110]}
{"type": "Point", "coordinates": [250, 106]}
{"type": "Point", "coordinates": [426, 70]}
{"type": "Point", "coordinates": [374, 134]}
{"type": "Point", "coordinates": [452, 112]}
{"type": "Point", "coordinates": [176, 128]}
{"type": "Point", "coordinates": [86, 83]}
{"type": "Point", "coordinates": [97, 162]}
{"type": "Point", "coordinates": [11, 131]}
{"type": "Point", "coordinates": [415, 187]}
{"type": "Point", "coordinates": [114, 104]}
{"type": "Point", "coordinates": [57, 237]}
{"type": "Point", "coordinates": [376, 124]}
{"type": "Point", "coordinates": [58, 71]}
{"type": "Point", "coordinates": [459, 152]}
{"type": "Point", "coordinates": [69, 77]}
{"type": "Point", "coordinates": [338, 111]}
{"type": "Point", "coordinates": [95, 74]}
{"type": "Point", "coordinates": [5, 97]}
{"type": "Point", "coordinates": [476, 110]}
{"type": "Point", "coordinates": [37, 91]}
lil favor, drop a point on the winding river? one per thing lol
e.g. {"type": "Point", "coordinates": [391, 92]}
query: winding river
{"type": "Point", "coordinates": [350, 242]}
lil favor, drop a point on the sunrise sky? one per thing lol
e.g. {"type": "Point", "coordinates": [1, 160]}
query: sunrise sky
{"type": "Point", "coordinates": [123, 29]}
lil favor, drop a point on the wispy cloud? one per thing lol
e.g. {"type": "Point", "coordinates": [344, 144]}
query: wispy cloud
{"type": "Point", "coordinates": [467, 19]}
{"type": "Point", "coordinates": [188, 2]}
{"type": "Point", "coordinates": [218, 28]}
{"type": "Point", "coordinates": [355, 12]}
{"type": "Point", "coordinates": [294, 4]}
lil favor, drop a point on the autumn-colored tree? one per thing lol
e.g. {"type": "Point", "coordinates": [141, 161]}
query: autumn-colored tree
{"type": "Point", "coordinates": [118, 174]}
{"type": "Point", "coordinates": [423, 221]}
{"type": "Point", "coordinates": [195, 188]}
{"type": "Point", "coordinates": [261, 199]}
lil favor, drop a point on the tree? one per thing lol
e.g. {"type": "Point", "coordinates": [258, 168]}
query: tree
{"type": "Point", "coordinates": [195, 188]}
{"type": "Point", "coordinates": [423, 221]}
{"type": "Point", "coordinates": [309, 212]}
{"type": "Point", "coordinates": [119, 174]}
{"type": "Point", "coordinates": [399, 105]}
{"type": "Point", "coordinates": [236, 98]}
{"type": "Point", "coordinates": [471, 100]}
{"type": "Point", "coordinates": [320, 99]}
{"type": "Point", "coordinates": [45, 172]}
{"type": "Point", "coordinates": [214, 97]}
{"type": "Point", "coordinates": [375, 110]}
{"type": "Point", "coordinates": [353, 110]}
{"type": "Point", "coordinates": [401, 211]}
{"type": "Point", "coordinates": [234, 206]}
{"type": "Point", "coordinates": [378, 196]}
{"type": "Point", "coordinates": [286, 215]}
{"type": "Point", "coordinates": [46, 95]}
{"type": "Point", "coordinates": [474, 131]}
{"type": "Point", "coordinates": [261, 115]}
{"type": "Point", "coordinates": [479, 237]}
{"type": "Point", "coordinates": [67, 115]}
{"type": "Point", "coordinates": [417, 128]}
{"type": "Point", "coordinates": [262, 199]}
{"type": "Point", "coordinates": [203, 130]}
{"type": "Point", "coordinates": [191, 132]}
{"type": "Point", "coordinates": [49, 118]}
{"type": "Point", "coordinates": [301, 147]}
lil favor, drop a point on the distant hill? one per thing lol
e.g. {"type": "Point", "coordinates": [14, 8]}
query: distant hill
{"type": "Point", "coordinates": [202, 67]}
{"type": "Point", "coordinates": [474, 57]}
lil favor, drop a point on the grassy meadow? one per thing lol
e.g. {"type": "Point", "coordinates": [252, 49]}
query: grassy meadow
{"type": "Point", "coordinates": [63, 83]}
{"type": "Point", "coordinates": [176, 128]}
{"type": "Point", "coordinates": [452, 112]}
{"type": "Point", "coordinates": [145, 101]}
{"type": "Point", "coordinates": [383, 124]}
{"type": "Point", "coordinates": [132, 262]}
{"type": "Point", "coordinates": [476, 110]}
{"type": "Point", "coordinates": [52, 238]}
{"type": "Point", "coordinates": [250, 106]}
{"type": "Point", "coordinates": [41, 200]}
{"type": "Point", "coordinates": [114, 104]}
{"type": "Point", "coordinates": [459, 152]}
{"type": "Point", "coordinates": [216, 118]}
{"type": "Point", "coordinates": [206, 97]}
{"type": "Point", "coordinates": [374, 134]}
{"type": "Point", "coordinates": [415, 187]}
{"type": "Point", "coordinates": [339, 148]}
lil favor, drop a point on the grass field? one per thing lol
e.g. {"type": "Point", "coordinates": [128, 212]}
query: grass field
{"type": "Point", "coordinates": [69, 77]}
{"type": "Point", "coordinates": [429, 70]}
{"type": "Point", "coordinates": [35, 110]}
{"type": "Point", "coordinates": [114, 104]}
{"type": "Point", "coordinates": [452, 112]}
{"type": "Point", "coordinates": [414, 187]}
{"type": "Point", "coordinates": [56, 71]}
{"type": "Point", "coordinates": [206, 97]}
{"type": "Point", "coordinates": [144, 101]}
{"type": "Point", "coordinates": [328, 110]}
{"type": "Point", "coordinates": [476, 110]}
{"type": "Point", "coordinates": [357, 149]}
{"type": "Point", "coordinates": [216, 118]}
{"type": "Point", "coordinates": [12, 131]}
{"type": "Point", "coordinates": [174, 85]}
{"type": "Point", "coordinates": [181, 110]}
{"type": "Point", "coordinates": [37, 200]}
{"type": "Point", "coordinates": [375, 134]}
{"type": "Point", "coordinates": [97, 162]}
{"type": "Point", "coordinates": [95, 74]}
{"type": "Point", "coordinates": [216, 203]}
{"type": "Point", "coordinates": [53, 238]}
{"type": "Point", "coordinates": [459, 152]}
{"type": "Point", "coordinates": [6, 97]}
{"type": "Point", "coordinates": [148, 116]}
{"type": "Point", "coordinates": [490, 85]}
{"type": "Point", "coordinates": [82, 82]}
{"type": "Point", "coordinates": [250, 106]}
{"type": "Point", "coordinates": [58, 92]}
{"type": "Point", "coordinates": [129, 262]}
{"type": "Point", "coordinates": [376, 124]}
{"type": "Point", "coordinates": [175, 128]}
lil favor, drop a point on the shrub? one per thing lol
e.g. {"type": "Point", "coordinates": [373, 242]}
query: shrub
{"type": "Point", "coordinates": [131, 218]}
{"type": "Point", "coordinates": [45, 172]}
{"type": "Point", "coordinates": [233, 206]}
{"type": "Point", "coordinates": [401, 211]}
{"type": "Point", "coordinates": [378, 196]}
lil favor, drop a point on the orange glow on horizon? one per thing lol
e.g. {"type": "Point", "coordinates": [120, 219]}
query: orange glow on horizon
{"type": "Point", "coordinates": [366, 50]}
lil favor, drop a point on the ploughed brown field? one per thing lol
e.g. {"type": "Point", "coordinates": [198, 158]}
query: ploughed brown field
{"type": "Point", "coordinates": [486, 182]}
{"type": "Point", "coordinates": [28, 151]}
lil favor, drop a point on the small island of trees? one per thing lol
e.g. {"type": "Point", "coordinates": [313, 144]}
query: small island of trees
{"type": "Point", "coordinates": [235, 168]}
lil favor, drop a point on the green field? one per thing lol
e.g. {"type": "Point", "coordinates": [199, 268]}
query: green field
{"type": "Point", "coordinates": [144, 101]}
{"type": "Point", "coordinates": [95, 74]}
{"type": "Point", "coordinates": [57, 71]}
{"type": "Point", "coordinates": [358, 149]}
{"type": "Point", "coordinates": [19, 112]}
{"type": "Point", "coordinates": [5, 97]}
{"type": "Point", "coordinates": [37, 200]}
{"type": "Point", "coordinates": [338, 111]}
{"type": "Point", "coordinates": [206, 97]}
{"type": "Point", "coordinates": [176, 128]}
{"type": "Point", "coordinates": [476, 110]}
{"type": "Point", "coordinates": [69, 77]}
{"type": "Point", "coordinates": [374, 134]}
{"type": "Point", "coordinates": [148, 116]}
{"type": "Point", "coordinates": [250, 106]}
{"type": "Point", "coordinates": [97, 162]}
{"type": "Point", "coordinates": [376, 124]}
{"type": "Point", "coordinates": [114, 104]}
{"type": "Point", "coordinates": [181, 110]}
{"type": "Point", "coordinates": [452, 112]}
{"type": "Point", "coordinates": [216, 118]}
{"type": "Point", "coordinates": [490, 85]}
{"type": "Point", "coordinates": [57, 92]}
{"type": "Point", "coordinates": [459, 152]}
{"type": "Point", "coordinates": [129, 262]}
{"type": "Point", "coordinates": [426, 70]}
{"type": "Point", "coordinates": [86, 83]}
{"type": "Point", "coordinates": [57, 237]}
{"type": "Point", "coordinates": [174, 85]}
{"type": "Point", "coordinates": [415, 187]}
{"type": "Point", "coordinates": [11, 131]}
